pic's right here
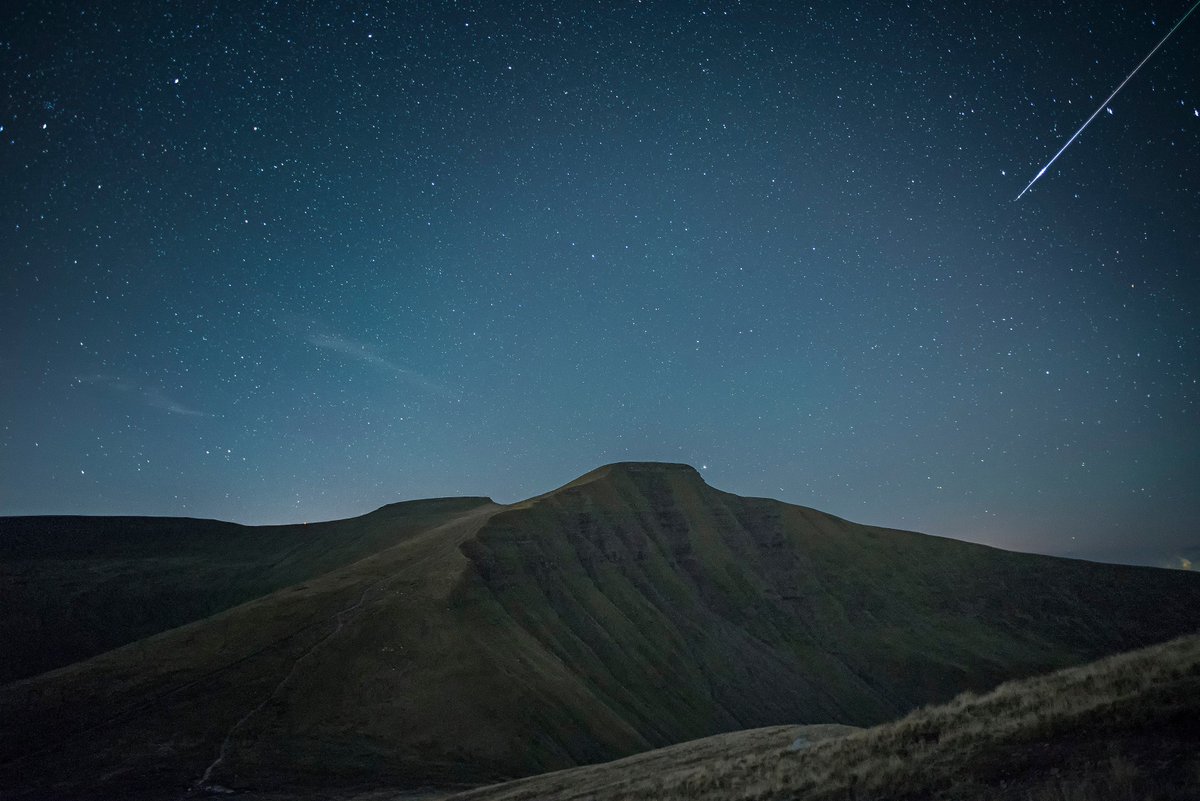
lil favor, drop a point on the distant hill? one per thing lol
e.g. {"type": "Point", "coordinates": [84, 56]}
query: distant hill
{"type": "Point", "coordinates": [1127, 727]}
{"type": "Point", "coordinates": [633, 608]}
{"type": "Point", "coordinates": [74, 587]}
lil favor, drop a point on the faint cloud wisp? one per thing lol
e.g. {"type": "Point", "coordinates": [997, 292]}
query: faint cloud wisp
{"type": "Point", "coordinates": [150, 396]}
{"type": "Point", "coordinates": [364, 354]}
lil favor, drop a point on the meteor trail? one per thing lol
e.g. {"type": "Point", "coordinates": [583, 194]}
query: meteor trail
{"type": "Point", "coordinates": [1100, 108]}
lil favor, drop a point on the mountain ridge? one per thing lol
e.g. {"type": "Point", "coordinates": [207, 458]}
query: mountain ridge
{"type": "Point", "coordinates": [633, 607]}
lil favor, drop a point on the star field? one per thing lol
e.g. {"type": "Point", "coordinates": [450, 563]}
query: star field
{"type": "Point", "coordinates": [273, 262]}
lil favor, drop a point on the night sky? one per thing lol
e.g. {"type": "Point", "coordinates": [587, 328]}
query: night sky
{"type": "Point", "coordinates": [274, 262]}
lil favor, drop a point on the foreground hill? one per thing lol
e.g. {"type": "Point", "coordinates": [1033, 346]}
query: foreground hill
{"type": "Point", "coordinates": [670, 769]}
{"type": "Point", "coordinates": [1127, 727]}
{"type": "Point", "coordinates": [633, 608]}
{"type": "Point", "coordinates": [74, 587]}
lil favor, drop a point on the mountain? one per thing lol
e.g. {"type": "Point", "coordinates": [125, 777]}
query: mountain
{"type": "Point", "coordinates": [633, 608]}
{"type": "Point", "coordinates": [1126, 727]}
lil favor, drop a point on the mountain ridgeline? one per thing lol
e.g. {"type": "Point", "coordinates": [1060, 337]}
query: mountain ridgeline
{"type": "Point", "coordinates": [633, 608]}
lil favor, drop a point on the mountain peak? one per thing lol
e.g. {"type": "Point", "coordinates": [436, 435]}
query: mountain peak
{"type": "Point", "coordinates": [635, 470]}
{"type": "Point", "coordinates": [650, 467]}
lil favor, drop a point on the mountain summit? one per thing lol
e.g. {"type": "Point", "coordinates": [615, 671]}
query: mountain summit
{"type": "Point", "coordinates": [631, 608]}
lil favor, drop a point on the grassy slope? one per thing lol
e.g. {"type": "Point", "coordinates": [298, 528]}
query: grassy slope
{"type": "Point", "coordinates": [633, 608]}
{"type": "Point", "coordinates": [74, 587]}
{"type": "Point", "coordinates": [693, 756]}
{"type": "Point", "coordinates": [1127, 727]}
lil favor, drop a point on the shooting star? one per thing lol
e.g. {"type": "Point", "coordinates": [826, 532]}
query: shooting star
{"type": "Point", "coordinates": [1102, 106]}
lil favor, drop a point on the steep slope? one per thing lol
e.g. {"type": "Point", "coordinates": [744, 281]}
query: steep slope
{"type": "Point", "coordinates": [1126, 727]}
{"type": "Point", "coordinates": [74, 587]}
{"type": "Point", "coordinates": [633, 608]}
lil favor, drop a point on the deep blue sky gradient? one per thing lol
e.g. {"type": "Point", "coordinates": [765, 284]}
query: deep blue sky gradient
{"type": "Point", "coordinates": [290, 261]}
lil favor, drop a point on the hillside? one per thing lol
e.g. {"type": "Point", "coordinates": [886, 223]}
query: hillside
{"type": "Point", "coordinates": [675, 766]}
{"type": "Point", "coordinates": [74, 587]}
{"type": "Point", "coordinates": [1126, 727]}
{"type": "Point", "coordinates": [633, 608]}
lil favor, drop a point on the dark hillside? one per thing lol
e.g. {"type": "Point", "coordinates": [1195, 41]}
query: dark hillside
{"type": "Point", "coordinates": [653, 584]}
{"type": "Point", "coordinates": [74, 587]}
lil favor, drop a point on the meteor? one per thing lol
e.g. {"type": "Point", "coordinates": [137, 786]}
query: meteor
{"type": "Point", "coordinates": [1101, 107]}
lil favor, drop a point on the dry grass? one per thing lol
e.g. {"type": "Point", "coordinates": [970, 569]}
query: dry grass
{"type": "Point", "coordinates": [693, 757]}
